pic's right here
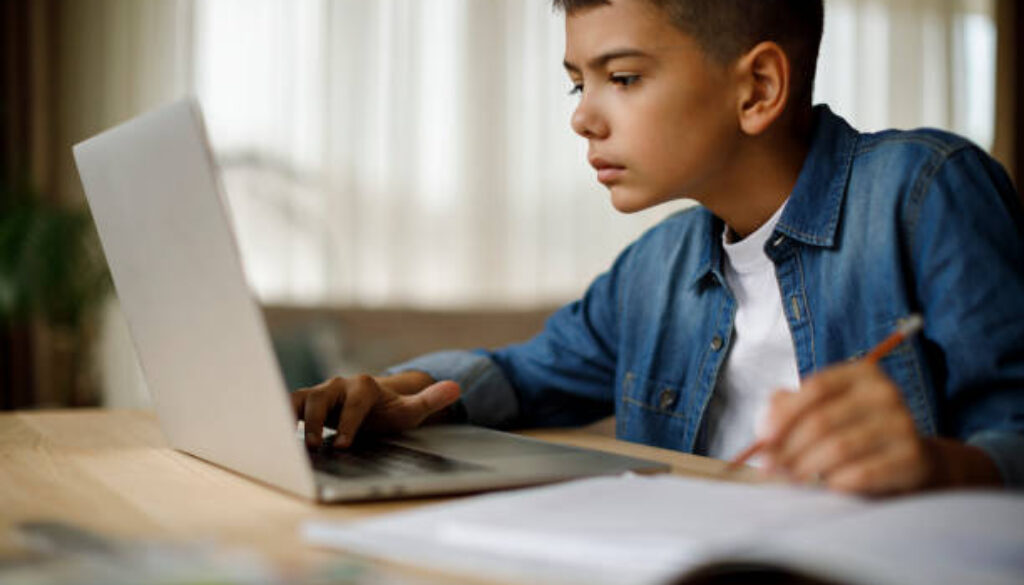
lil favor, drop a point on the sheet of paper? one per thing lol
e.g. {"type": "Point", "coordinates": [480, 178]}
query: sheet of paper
{"type": "Point", "coordinates": [948, 538]}
{"type": "Point", "coordinates": [606, 530]}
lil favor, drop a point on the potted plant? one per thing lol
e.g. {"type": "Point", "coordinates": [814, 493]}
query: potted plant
{"type": "Point", "coordinates": [53, 278]}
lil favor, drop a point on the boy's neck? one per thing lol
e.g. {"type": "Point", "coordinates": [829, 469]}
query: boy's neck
{"type": "Point", "coordinates": [765, 171]}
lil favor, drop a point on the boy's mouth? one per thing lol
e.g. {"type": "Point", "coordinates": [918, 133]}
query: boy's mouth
{"type": "Point", "coordinates": [607, 171]}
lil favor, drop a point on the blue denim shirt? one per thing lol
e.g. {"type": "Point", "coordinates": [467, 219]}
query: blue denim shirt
{"type": "Point", "coordinates": [878, 226]}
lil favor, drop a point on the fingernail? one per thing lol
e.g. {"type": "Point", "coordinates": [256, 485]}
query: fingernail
{"type": "Point", "coordinates": [341, 440]}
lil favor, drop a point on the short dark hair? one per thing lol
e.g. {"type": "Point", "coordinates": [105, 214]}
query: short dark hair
{"type": "Point", "coordinates": [726, 29]}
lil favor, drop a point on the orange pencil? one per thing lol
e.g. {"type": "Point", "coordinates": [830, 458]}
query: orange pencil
{"type": "Point", "coordinates": [905, 329]}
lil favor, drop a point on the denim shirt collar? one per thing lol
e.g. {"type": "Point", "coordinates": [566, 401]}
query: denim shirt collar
{"type": "Point", "coordinates": [812, 214]}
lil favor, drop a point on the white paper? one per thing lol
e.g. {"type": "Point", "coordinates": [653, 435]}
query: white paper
{"type": "Point", "coordinates": [639, 529]}
{"type": "Point", "coordinates": [953, 538]}
{"type": "Point", "coordinates": [605, 530]}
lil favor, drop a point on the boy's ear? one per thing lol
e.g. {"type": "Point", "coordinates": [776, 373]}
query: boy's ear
{"type": "Point", "coordinates": [764, 80]}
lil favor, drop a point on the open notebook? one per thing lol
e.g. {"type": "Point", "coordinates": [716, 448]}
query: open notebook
{"type": "Point", "coordinates": [633, 529]}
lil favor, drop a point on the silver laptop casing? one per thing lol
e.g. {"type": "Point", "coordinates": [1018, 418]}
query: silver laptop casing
{"type": "Point", "coordinates": [155, 194]}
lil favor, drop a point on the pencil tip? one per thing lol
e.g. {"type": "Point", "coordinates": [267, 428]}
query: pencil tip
{"type": "Point", "coordinates": [911, 324]}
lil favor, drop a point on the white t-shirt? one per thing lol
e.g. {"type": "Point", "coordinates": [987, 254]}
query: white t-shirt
{"type": "Point", "coordinates": [761, 359]}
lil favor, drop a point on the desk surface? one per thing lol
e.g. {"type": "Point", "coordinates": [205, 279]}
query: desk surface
{"type": "Point", "coordinates": [112, 472]}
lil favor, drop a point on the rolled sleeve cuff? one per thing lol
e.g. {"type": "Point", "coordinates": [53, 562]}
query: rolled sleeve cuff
{"type": "Point", "coordinates": [1006, 449]}
{"type": "Point", "coordinates": [488, 398]}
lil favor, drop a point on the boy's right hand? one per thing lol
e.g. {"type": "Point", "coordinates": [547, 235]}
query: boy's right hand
{"type": "Point", "coordinates": [388, 404]}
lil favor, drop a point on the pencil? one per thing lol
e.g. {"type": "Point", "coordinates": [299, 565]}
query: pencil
{"type": "Point", "coordinates": [906, 328]}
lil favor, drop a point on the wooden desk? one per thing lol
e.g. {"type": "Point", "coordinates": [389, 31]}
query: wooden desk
{"type": "Point", "coordinates": [112, 472]}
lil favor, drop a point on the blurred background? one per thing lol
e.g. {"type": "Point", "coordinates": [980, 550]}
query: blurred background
{"type": "Point", "coordinates": [400, 173]}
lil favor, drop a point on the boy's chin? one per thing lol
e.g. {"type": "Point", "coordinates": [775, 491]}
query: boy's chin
{"type": "Point", "coordinates": [632, 200]}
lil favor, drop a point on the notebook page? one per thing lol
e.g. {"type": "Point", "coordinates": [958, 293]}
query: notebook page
{"type": "Point", "coordinates": [607, 530]}
{"type": "Point", "coordinates": [950, 538]}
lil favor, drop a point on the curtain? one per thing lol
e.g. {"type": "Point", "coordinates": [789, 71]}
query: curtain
{"type": "Point", "coordinates": [1009, 134]}
{"type": "Point", "coordinates": [911, 63]}
{"type": "Point", "coordinates": [404, 152]}
{"type": "Point", "coordinates": [411, 153]}
{"type": "Point", "coordinates": [117, 59]}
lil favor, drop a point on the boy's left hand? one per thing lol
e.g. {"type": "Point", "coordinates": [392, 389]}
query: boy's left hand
{"type": "Point", "coordinates": [848, 428]}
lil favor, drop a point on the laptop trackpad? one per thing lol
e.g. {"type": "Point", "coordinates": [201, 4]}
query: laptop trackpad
{"type": "Point", "coordinates": [380, 459]}
{"type": "Point", "coordinates": [474, 443]}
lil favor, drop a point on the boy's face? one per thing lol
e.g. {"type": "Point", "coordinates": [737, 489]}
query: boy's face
{"type": "Point", "coordinates": [660, 117]}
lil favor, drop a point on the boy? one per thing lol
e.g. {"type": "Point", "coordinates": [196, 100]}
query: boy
{"type": "Point", "coordinates": [811, 244]}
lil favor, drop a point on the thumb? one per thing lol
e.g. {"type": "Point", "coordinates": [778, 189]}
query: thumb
{"type": "Point", "coordinates": [431, 399]}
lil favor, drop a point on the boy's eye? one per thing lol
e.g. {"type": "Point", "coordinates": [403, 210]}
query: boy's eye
{"type": "Point", "coordinates": [625, 79]}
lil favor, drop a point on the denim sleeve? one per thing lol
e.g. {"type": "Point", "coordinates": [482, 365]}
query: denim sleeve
{"type": "Point", "coordinates": [968, 252]}
{"type": "Point", "coordinates": [564, 376]}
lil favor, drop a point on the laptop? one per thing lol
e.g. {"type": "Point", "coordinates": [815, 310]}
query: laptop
{"type": "Point", "coordinates": [155, 194]}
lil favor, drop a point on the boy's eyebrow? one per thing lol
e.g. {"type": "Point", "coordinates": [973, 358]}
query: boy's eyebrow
{"type": "Point", "coordinates": [603, 58]}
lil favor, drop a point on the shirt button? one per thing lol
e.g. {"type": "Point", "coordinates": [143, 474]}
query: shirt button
{"type": "Point", "coordinates": [666, 398]}
{"type": "Point", "coordinates": [716, 342]}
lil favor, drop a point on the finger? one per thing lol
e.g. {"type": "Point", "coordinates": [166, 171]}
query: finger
{"type": "Point", "coordinates": [893, 470]}
{"type": "Point", "coordinates": [870, 395]}
{"type": "Point", "coordinates": [362, 394]}
{"type": "Point", "coordinates": [821, 421]}
{"type": "Point", "coordinates": [785, 408]}
{"type": "Point", "coordinates": [840, 449]}
{"type": "Point", "coordinates": [298, 400]}
{"type": "Point", "coordinates": [431, 399]}
{"type": "Point", "coordinates": [318, 404]}
{"type": "Point", "coordinates": [298, 397]}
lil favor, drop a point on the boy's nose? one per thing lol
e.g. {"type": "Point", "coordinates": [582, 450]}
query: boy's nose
{"type": "Point", "coordinates": [588, 123]}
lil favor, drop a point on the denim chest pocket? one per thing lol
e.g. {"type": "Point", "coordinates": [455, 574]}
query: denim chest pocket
{"type": "Point", "coordinates": [649, 412]}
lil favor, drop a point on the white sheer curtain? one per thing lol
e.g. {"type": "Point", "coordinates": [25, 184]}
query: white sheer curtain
{"type": "Point", "coordinates": [403, 152]}
{"type": "Point", "coordinates": [911, 63]}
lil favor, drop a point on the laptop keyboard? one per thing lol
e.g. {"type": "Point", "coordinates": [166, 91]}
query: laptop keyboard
{"type": "Point", "coordinates": [383, 459]}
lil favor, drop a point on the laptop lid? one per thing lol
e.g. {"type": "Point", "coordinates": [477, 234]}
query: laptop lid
{"type": "Point", "coordinates": [156, 197]}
